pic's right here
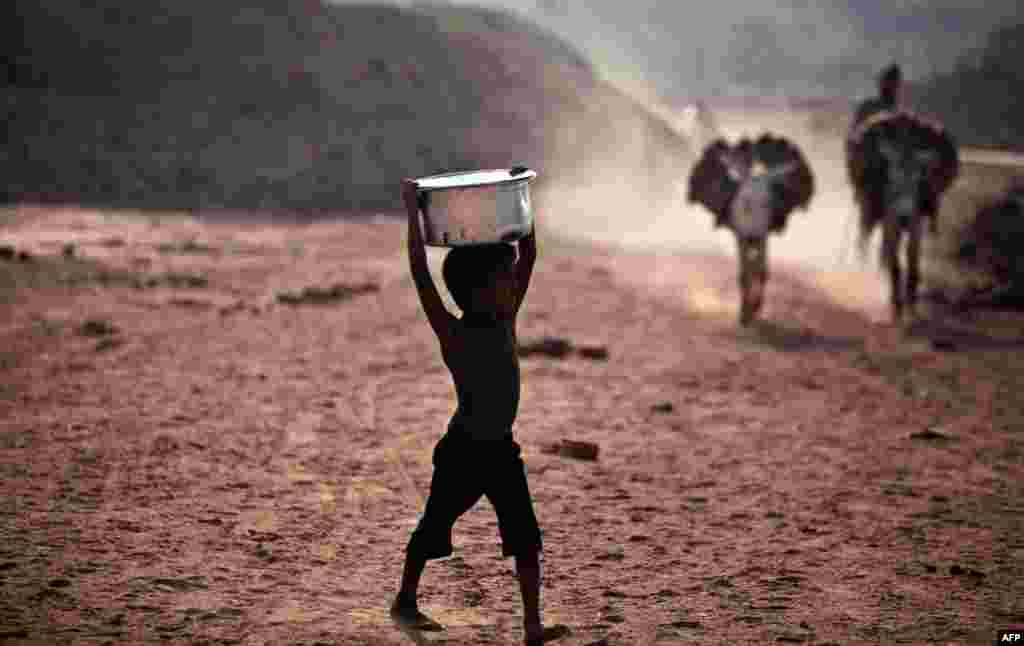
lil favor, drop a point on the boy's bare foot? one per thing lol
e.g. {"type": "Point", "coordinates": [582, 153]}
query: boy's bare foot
{"type": "Point", "coordinates": [548, 634]}
{"type": "Point", "coordinates": [411, 617]}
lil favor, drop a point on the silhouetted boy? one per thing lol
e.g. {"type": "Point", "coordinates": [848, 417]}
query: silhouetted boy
{"type": "Point", "coordinates": [477, 456]}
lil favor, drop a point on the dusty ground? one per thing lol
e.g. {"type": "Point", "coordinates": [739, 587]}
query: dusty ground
{"type": "Point", "coordinates": [192, 462]}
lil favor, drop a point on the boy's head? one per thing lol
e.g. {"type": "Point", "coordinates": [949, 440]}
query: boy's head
{"type": "Point", "coordinates": [481, 279]}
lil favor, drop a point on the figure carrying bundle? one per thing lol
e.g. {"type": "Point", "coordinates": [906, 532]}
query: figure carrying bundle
{"type": "Point", "coordinates": [900, 165]}
{"type": "Point", "coordinates": [752, 188]}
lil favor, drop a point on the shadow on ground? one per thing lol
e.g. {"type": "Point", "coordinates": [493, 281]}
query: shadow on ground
{"type": "Point", "coordinates": [795, 338]}
{"type": "Point", "coordinates": [947, 334]}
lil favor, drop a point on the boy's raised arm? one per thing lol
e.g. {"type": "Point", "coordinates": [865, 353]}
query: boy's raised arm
{"type": "Point", "coordinates": [438, 315]}
{"type": "Point", "coordinates": [524, 266]}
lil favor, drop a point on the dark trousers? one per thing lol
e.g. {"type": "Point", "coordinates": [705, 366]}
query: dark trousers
{"type": "Point", "coordinates": [465, 470]}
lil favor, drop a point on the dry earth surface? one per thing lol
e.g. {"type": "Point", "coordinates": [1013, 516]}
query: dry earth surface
{"type": "Point", "coordinates": [188, 459]}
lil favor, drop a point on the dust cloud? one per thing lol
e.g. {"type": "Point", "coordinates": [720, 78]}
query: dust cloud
{"type": "Point", "coordinates": [613, 203]}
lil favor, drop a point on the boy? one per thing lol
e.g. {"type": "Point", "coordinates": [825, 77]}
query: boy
{"type": "Point", "coordinates": [477, 456]}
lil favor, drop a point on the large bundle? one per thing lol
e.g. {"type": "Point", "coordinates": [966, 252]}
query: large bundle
{"type": "Point", "coordinates": [899, 137]}
{"type": "Point", "coordinates": [722, 170]}
{"type": "Point", "coordinates": [794, 185]}
{"type": "Point", "coordinates": [711, 182]}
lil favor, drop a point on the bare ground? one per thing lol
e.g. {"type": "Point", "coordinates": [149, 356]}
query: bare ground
{"type": "Point", "coordinates": [194, 462]}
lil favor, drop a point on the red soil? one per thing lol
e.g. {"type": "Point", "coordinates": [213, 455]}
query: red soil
{"type": "Point", "coordinates": [230, 470]}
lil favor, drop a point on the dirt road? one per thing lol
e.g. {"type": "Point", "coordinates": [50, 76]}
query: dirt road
{"type": "Point", "coordinates": [189, 459]}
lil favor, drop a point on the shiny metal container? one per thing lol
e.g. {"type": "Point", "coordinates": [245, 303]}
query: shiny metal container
{"type": "Point", "coordinates": [476, 207]}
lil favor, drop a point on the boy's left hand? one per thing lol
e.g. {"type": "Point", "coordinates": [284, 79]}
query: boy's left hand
{"type": "Point", "coordinates": [410, 196]}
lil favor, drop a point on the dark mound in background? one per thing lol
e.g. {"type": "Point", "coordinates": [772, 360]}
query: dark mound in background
{"type": "Point", "coordinates": [293, 104]}
{"type": "Point", "coordinates": [992, 243]}
{"type": "Point", "coordinates": [982, 98]}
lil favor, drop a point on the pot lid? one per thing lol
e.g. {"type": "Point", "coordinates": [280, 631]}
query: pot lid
{"type": "Point", "coordinates": [475, 178]}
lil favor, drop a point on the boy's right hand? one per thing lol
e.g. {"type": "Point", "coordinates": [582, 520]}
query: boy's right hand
{"type": "Point", "coordinates": [440, 319]}
{"type": "Point", "coordinates": [410, 196]}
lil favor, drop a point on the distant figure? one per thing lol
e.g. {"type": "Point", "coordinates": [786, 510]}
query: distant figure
{"type": "Point", "coordinates": [478, 455]}
{"type": "Point", "coordinates": [752, 188]}
{"type": "Point", "coordinates": [698, 124]}
{"type": "Point", "coordinates": [900, 164]}
{"type": "Point", "coordinates": [890, 96]}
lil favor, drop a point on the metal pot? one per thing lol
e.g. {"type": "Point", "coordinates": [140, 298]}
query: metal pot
{"type": "Point", "coordinates": [476, 207]}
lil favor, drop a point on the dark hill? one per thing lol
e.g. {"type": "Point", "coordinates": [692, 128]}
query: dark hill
{"type": "Point", "coordinates": [278, 104]}
{"type": "Point", "coordinates": [982, 98]}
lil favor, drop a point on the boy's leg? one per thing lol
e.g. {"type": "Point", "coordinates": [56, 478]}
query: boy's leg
{"type": "Point", "coordinates": [528, 572]}
{"type": "Point", "coordinates": [430, 539]}
{"type": "Point", "coordinates": [411, 573]}
{"type": "Point", "coordinates": [534, 632]}
{"type": "Point", "coordinates": [520, 537]}
{"type": "Point", "coordinates": [451, 495]}
{"type": "Point", "coordinates": [405, 608]}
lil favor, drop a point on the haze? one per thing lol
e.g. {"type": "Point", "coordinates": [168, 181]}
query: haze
{"type": "Point", "coordinates": [779, 47]}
